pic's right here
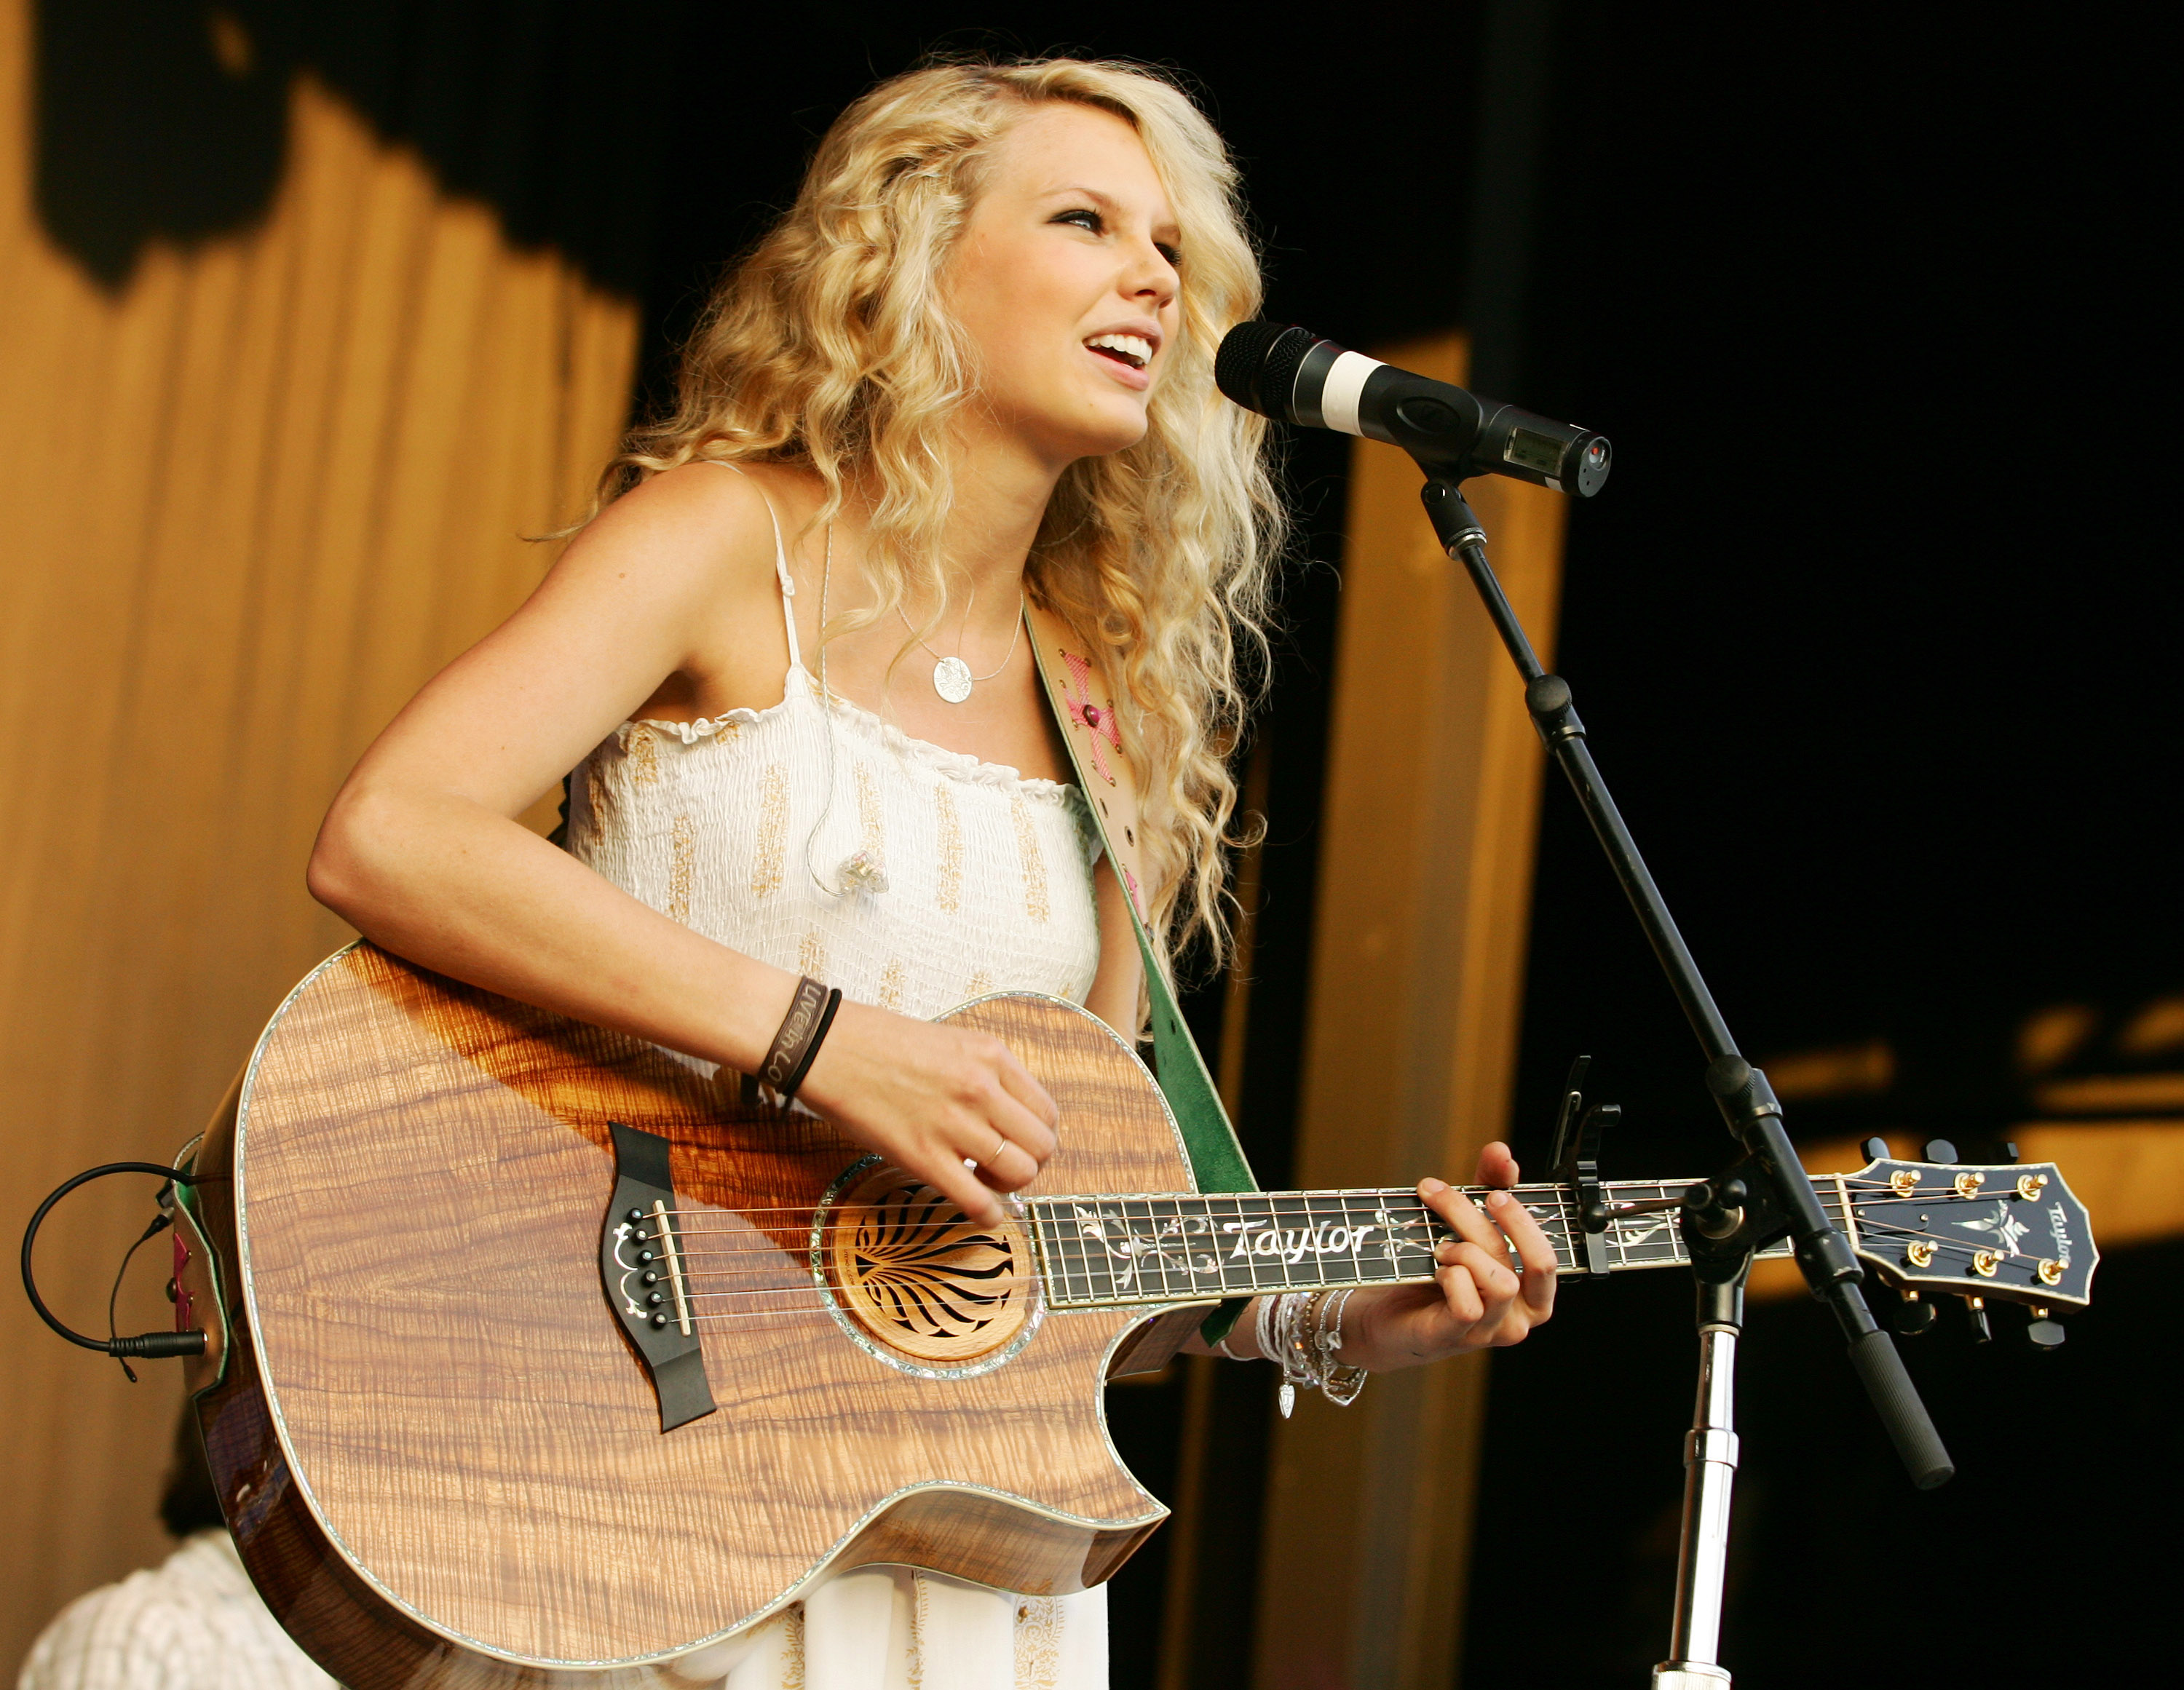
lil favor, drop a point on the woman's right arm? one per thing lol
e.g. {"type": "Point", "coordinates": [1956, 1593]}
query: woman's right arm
{"type": "Point", "coordinates": [422, 853]}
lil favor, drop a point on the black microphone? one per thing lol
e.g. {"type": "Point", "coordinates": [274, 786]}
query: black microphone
{"type": "Point", "coordinates": [1292, 375]}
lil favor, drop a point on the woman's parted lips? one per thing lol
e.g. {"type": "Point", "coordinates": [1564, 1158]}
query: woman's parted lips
{"type": "Point", "coordinates": [1133, 350]}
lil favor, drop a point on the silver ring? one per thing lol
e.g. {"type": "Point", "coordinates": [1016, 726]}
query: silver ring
{"type": "Point", "coordinates": [998, 1148]}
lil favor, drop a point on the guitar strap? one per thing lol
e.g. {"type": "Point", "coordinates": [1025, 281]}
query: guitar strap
{"type": "Point", "coordinates": [1083, 704]}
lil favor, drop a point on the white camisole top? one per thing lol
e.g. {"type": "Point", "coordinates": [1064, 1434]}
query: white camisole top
{"type": "Point", "coordinates": [817, 836]}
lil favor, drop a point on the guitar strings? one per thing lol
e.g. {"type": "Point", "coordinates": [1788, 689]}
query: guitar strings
{"type": "Point", "coordinates": [1556, 1222]}
{"type": "Point", "coordinates": [1168, 1272]}
{"type": "Point", "coordinates": [1554, 1212]}
{"type": "Point", "coordinates": [1405, 1196]}
{"type": "Point", "coordinates": [809, 1300]}
{"type": "Point", "coordinates": [1209, 1293]}
{"type": "Point", "coordinates": [1556, 1229]}
{"type": "Point", "coordinates": [691, 1222]}
{"type": "Point", "coordinates": [804, 1248]}
{"type": "Point", "coordinates": [1555, 1191]}
{"type": "Point", "coordinates": [812, 1299]}
{"type": "Point", "coordinates": [700, 1264]}
{"type": "Point", "coordinates": [819, 1303]}
{"type": "Point", "coordinates": [1176, 1280]}
{"type": "Point", "coordinates": [684, 1219]}
{"type": "Point", "coordinates": [1070, 1253]}
{"type": "Point", "coordinates": [1139, 1256]}
{"type": "Point", "coordinates": [812, 1303]}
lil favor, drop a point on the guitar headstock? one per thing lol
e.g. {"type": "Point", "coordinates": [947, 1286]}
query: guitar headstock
{"type": "Point", "coordinates": [2012, 1230]}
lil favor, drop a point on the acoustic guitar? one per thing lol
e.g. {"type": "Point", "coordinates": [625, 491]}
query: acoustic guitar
{"type": "Point", "coordinates": [534, 1356]}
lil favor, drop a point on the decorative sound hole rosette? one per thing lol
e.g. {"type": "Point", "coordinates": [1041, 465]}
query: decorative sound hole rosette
{"type": "Point", "coordinates": [915, 1273]}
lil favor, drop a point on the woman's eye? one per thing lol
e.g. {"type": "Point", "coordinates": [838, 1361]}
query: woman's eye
{"type": "Point", "coordinates": [1172, 254]}
{"type": "Point", "coordinates": [1083, 217]}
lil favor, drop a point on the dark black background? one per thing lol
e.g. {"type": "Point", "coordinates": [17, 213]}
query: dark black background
{"type": "Point", "coordinates": [1878, 657]}
{"type": "Point", "coordinates": [1872, 628]}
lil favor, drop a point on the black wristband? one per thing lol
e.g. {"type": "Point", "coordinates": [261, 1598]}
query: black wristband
{"type": "Point", "coordinates": [812, 1048]}
{"type": "Point", "coordinates": [790, 1054]}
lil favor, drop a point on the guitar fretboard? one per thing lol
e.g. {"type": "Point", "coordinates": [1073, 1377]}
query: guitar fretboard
{"type": "Point", "coordinates": [1131, 1248]}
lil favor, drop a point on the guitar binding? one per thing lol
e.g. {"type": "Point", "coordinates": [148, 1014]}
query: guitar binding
{"type": "Point", "coordinates": [641, 1270]}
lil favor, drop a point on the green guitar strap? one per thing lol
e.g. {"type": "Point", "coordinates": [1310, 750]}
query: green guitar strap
{"type": "Point", "coordinates": [1083, 704]}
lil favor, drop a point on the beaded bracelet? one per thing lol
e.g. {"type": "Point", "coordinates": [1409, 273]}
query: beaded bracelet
{"type": "Point", "coordinates": [1301, 1332]}
{"type": "Point", "coordinates": [1339, 1384]}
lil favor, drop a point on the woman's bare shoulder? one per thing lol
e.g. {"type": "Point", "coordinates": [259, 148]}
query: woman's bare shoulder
{"type": "Point", "coordinates": [698, 526]}
{"type": "Point", "coordinates": [680, 570]}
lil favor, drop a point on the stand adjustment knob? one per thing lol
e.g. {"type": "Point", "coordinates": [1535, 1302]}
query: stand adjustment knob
{"type": "Point", "coordinates": [1717, 1206]}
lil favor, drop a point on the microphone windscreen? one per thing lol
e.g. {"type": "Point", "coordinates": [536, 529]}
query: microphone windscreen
{"type": "Point", "coordinates": [1242, 369]}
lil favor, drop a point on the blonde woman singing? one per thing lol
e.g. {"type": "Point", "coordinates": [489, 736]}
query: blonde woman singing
{"type": "Point", "coordinates": [971, 366]}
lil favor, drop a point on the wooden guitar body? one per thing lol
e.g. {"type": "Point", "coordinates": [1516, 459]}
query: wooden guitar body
{"type": "Point", "coordinates": [440, 1455]}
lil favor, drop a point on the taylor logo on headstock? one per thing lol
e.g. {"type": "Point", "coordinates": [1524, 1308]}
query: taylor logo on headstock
{"type": "Point", "coordinates": [2005, 1231]}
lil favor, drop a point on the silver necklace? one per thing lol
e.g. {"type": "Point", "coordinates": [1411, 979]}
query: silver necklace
{"type": "Point", "coordinates": [951, 676]}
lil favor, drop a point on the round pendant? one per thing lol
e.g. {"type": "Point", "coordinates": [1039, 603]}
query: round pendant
{"type": "Point", "coordinates": [951, 679]}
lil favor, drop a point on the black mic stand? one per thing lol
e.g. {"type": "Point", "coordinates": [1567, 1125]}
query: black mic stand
{"type": "Point", "coordinates": [1765, 1195]}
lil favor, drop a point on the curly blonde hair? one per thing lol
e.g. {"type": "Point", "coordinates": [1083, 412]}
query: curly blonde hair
{"type": "Point", "coordinates": [829, 345]}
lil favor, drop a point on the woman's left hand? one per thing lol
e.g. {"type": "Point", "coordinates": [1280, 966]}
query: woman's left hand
{"type": "Point", "coordinates": [1475, 1300]}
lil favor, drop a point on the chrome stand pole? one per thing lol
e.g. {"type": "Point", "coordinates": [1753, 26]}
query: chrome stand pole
{"type": "Point", "coordinates": [1709, 1479]}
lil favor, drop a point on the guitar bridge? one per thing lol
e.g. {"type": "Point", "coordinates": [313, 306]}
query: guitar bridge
{"type": "Point", "coordinates": [641, 1271]}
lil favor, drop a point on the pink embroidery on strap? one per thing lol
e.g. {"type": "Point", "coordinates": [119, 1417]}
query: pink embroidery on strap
{"type": "Point", "coordinates": [1137, 903]}
{"type": "Point", "coordinates": [1081, 710]}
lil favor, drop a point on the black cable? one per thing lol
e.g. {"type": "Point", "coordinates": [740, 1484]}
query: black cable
{"type": "Point", "coordinates": [160, 1224]}
{"type": "Point", "coordinates": [144, 1344]}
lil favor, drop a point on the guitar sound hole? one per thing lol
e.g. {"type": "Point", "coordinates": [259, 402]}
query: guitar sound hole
{"type": "Point", "coordinates": [921, 1279]}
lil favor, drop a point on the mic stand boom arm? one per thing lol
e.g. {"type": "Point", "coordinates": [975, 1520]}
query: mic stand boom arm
{"type": "Point", "coordinates": [1748, 1104]}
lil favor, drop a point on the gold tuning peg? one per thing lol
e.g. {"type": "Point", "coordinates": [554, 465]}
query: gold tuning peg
{"type": "Point", "coordinates": [1914, 1316]}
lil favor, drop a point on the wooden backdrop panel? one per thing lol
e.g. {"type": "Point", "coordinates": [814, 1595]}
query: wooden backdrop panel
{"type": "Point", "coordinates": [1430, 819]}
{"type": "Point", "coordinates": [250, 502]}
